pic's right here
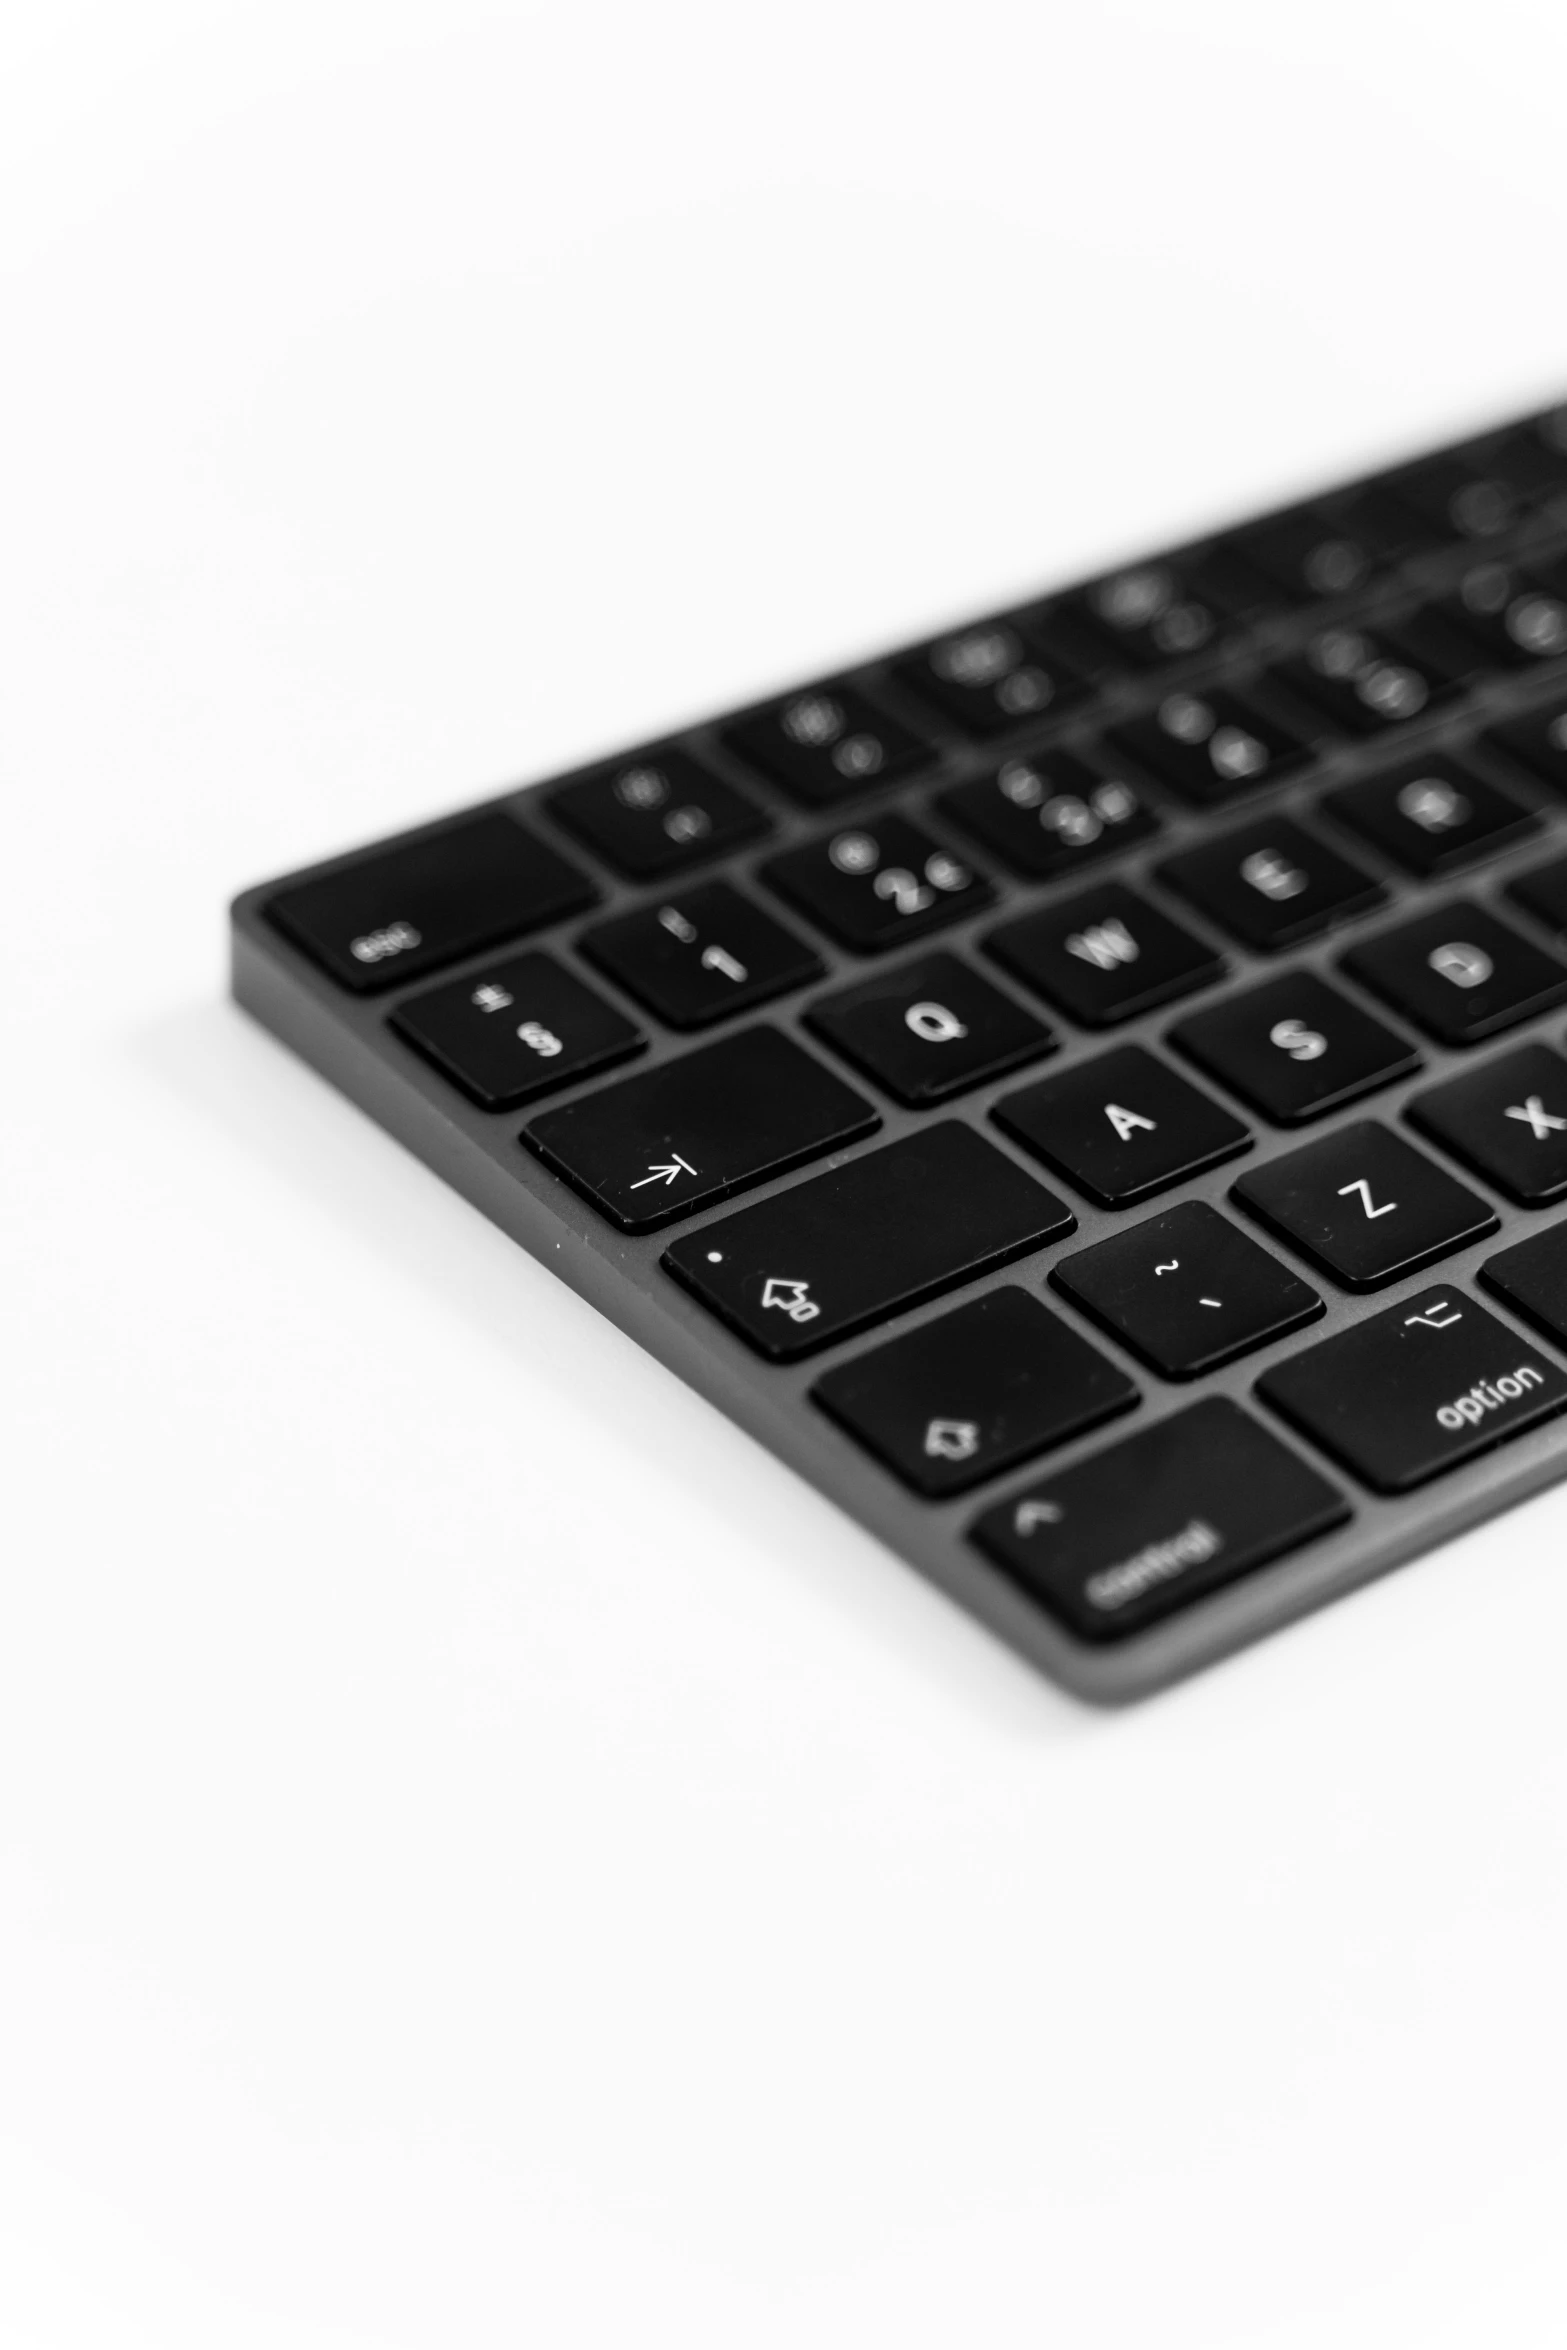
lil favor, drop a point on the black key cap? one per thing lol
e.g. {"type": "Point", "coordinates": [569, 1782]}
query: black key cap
{"type": "Point", "coordinates": [1519, 620]}
{"type": "Point", "coordinates": [654, 1146]}
{"type": "Point", "coordinates": [1369, 684]}
{"type": "Point", "coordinates": [1294, 1048]}
{"type": "Point", "coordinates": [1461, 973]}
{"type": "Point", "coordinates": [1532, 1279]}
{"type": "Point", "coordinates": [1271, 884]}
{"type": "Point", "coordinates": [828, 743]}
{"type": "Point", "coordinates": [992, 679]}
{"type": "Point", "coordinates": [1149, 1525]}
{"type": "Point", "coordinates": [1507, 1120]}
{"type": "Point", "coordinates": [877, 885]}
{"type": "Point", "coordinates": [407, 909]}
{"type": "Point", "coordinates": [1542, 892]}
{"type": "Point", "coordinates": [1046, 814]}
{"type": "Point", "coordinates": [974, 1392]}
{"type": "Point", "coordinates": [1121, 1126]}
{"type": "Point", "coordinates": [929, 1029]}
{"type": "Point", "coordinates": [1459, 499]}
{"type": "Point", "coordinates": [866, 1240]}
{"type": "Point", "coordinates": [1431, 815]}
{"type": "Point", "coordinates": [1155, 613]}
{"type": "Point", "coordinates": [1315, 553]}
{"type": "Point", "coordinates": [1537, 744]}
{"type": "Point", "coordinates": [1416, 1390]}
{"type": "Point", "coordinates": [656, 814]}
{"type": "Point", "coordinates": [1532, 459]}
{"type": "Point", "coordinates": [516, 1029]}
{"type": "Point", "coordinates": [1211, 745]}
{"type": "Point", "coordinates": [1105, 955]}
{"type": "Point", "coordinates": [698, 957]}
{"type": "Point", "coordinates": [1364, 1205]}
{"type": "Point", "coordinates": [1187, 1291]}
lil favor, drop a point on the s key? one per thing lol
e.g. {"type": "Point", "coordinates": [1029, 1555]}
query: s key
{"type": "Point", "coordinates": [1364, 1205]}
{"type": "Point", "coordinates": [1294, 1048]}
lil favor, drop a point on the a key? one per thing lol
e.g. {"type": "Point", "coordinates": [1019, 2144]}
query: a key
{"type": "Point", "coordinates": [874, 885]}
{"type": "Point", "coordinates": [1532, 458]}
{"type": "Point", "coordinates": [1518, 619]}
{"type": "Point", "coordinates": [1461, 973]}
{"type": "Point", "coordinates": [405, 910]}
{"type": "Point", "coordinates": [1271, 884]}
{"type": "Point", "coordinates": [1507, 1120]}
{"type": "Point", "coordinates": [1364, 1205]}
{"type": "Point", "coordinates": [656, 814]}
{"type": "Point", "coordinates": [1373, 683]}
{"type": "Point", "coordinates": [1046, 814]}
{"type": "Point", "coordinates": [657, 1145]}
{"type": "Point", "coordinates": [976, 1391]}
{"type": "Point", "coordinates": [1154, 613]}
{"type": "Point", "coordinates": [1210, 746]}
{"type": "Point", "coordinates": [929, 1029]}
{"type": "Point", "coordinates": [516, 1029]}
{"type": "Point", "coordinates": [1537, 744]}
{"type": "Point", "coordinates": [992, 679]}
{"type": "Point", "coordinates": [1542, 892]}
{"type": "Point", "coordinates": [1121, 1126]}
{"type": "Point", "coordinates": [1187, 1290]}
{"type": "Point", "coordinates": [1105, 955]}
{"type": "Point", "coordinates": [828, 743]}
{"type": "Point", "coordinates": [1531, 1278]}
{"type": "Point", "coordinates": [1431, 815]}
{"type": "Point", "coordinates": [1316, 553]}
{"type": "Point", "coordinates": [1294, 1048]}
{"type": "Point", "coordinates": [697, 956]}
{"type": "Point", "coordinates": [1141, 1530]}
{"type": "Point", "coordinates": [1416, 1390]}
{"type": "Point", "coordinates": [866, 1240]}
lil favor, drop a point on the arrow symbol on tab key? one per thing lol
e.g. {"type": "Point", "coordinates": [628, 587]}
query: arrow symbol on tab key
{"type": "Point", "coordinates": [665, 1172]}
{"type": "Point", "coordinates": [1030, 1514]}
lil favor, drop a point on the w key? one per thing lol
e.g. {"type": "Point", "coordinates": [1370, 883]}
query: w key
{"type": "Point", "coordinates": [1364, 1205]}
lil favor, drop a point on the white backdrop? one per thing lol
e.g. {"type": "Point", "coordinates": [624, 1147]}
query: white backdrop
{"type": "Point", "coordinates": [486, 1858]}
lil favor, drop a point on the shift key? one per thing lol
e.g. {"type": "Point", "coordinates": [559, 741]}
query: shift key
{"type": "Point", "coordinates": [863, 1241]}
{"type": "Point", "coordinates": [690, 1131]}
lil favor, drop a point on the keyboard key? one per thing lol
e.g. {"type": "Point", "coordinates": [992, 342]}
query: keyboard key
{"type": "Point", "coordinates": [828, 743]}
{"type": "Point", "coordinates": [1153, 1523]}
{"type": "Point", "coordinates": [1155, 613]}
{"type": "Point", "coordinates": [1105, 955]}
{"type": "Point", "coordinates": [1294, 1048]}
{"type": "Point", "coordinates": [1537, 744]}
{"type": "Point", "coordinates": [1187, 1290]}
{"type": "Point", "coordinates": [1121, 1126]}
{"type": "Point", "coordinates": [1507, 1120]}
{"type": "Point", "coordinates": [1542, 892]}
{"type": "Point", "coordinates": [1518, 619]}
{"type": "Point", "coordinates": [1460, 973]}
{"type": "Point", "coordinates": [1368, 684]}
{"type": "Point", "coordinates": [656, 814]}
{"type": "Point", "coordinates": [875, 886]}
{"type": "Point", "coordinates": [866, 1240]}
{"type": "Point", "coordinates": [1210, 746]}
{"type": "Point", "coordinates": [405, 910]}
{"type": "Point", "coordinates": [1315, 553]}
{"type": "Point", "coordinates": [974, 1392]}
{"type": "Point", "coordinates": [657, 1145]}
{"type": "Point", "coordinates": [1364, 1205]}
{"type": "Point", "coordinates": [1531, 1277]}
{"type": "Point", "coordinates": [1046, 814]}
{"type": "Point", "coordinates": [1271, 884]}
{"type": "Point", "coordinates": [516, 1029]}
{"type": "Point", "coordinates": [992, 679]}
{"type": "Point", "coordinates": [929, 1029]}
{"type": "Point", "coordinates": [698, 957]}
{"type": "Point", "coordinates": [1532, 458]}
{"type": "Point", "coordinates": [1417, 1389]}
{"type": "Point", "coordinates": [1431, 815]}
{"type": "Point", "coordinates": [1461, 500]}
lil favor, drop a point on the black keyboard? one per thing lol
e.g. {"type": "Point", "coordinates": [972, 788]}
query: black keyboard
{"type": "Point", "coordinates": [1087, 1091]}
